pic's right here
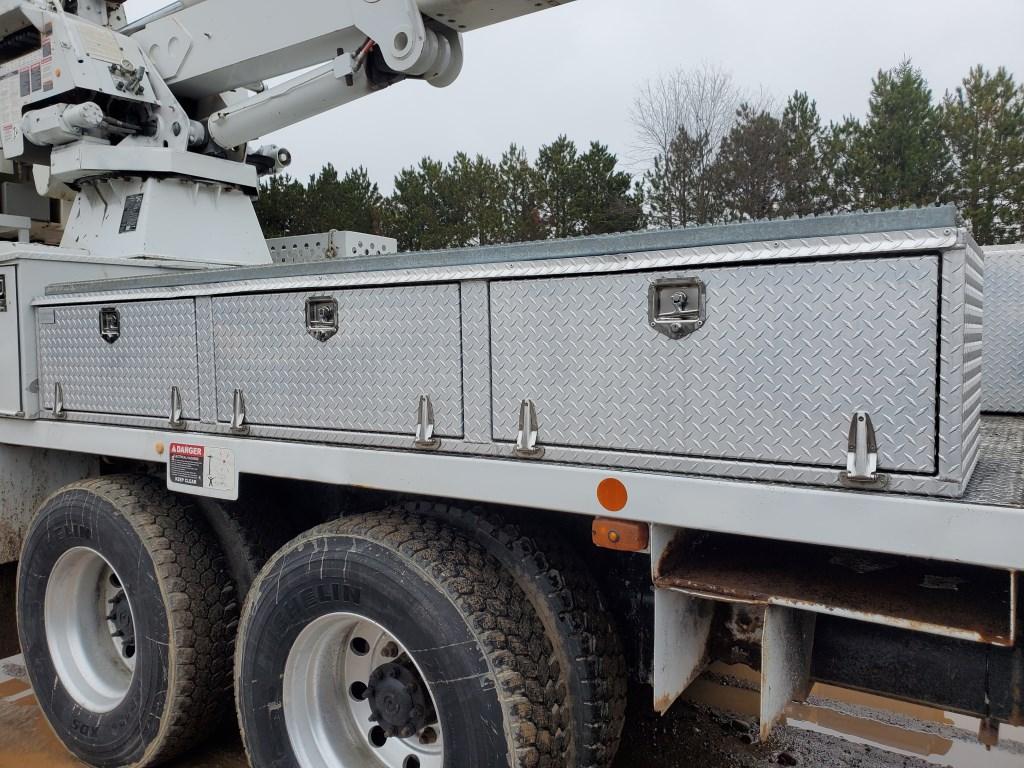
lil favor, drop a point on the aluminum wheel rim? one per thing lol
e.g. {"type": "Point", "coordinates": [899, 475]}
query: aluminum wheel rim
{"type": "Point", "coordinates": [328, 725]}
{"type": "Point", "coordinates": [94, 666]}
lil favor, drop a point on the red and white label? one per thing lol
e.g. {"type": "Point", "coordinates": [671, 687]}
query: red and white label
{"type": "Point", "coordinates": [186, 465]}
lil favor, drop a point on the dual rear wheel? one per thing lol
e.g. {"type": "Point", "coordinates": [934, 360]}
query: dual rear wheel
{"type": "Point", "coordinates": [418, 637]}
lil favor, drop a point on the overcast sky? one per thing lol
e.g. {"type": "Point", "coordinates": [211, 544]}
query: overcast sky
{"type": "Point", "coordinates": [575, 69]}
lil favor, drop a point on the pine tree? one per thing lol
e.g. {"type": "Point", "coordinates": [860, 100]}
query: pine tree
{"type": "Point", "coordinates": [281, 206]}
{"type": "Point", "coordinates": [984, 123]}
{"type": "Point", "coordinates": [680, 186]}
{"type": "Point", "coordinates": [473, 190]}
{"type": "Point", "coordinates": [519, 197]}
{"type": "Point", "coordinates": [558, 182]}
{"type": "Point", "coordinates": [900, 156]}
{"type": "Point", "coordinates": [418, 213]}
{"type": "Point", "coordinates": [584, 194]}
{"type": "Point", "coordinates": [351, 202]}
{"type": "Point", "coordinates": [840, 176]}
{"type": "Point", "coordinates": [802, 181]}
{"type": "Point", "coordinates": [751, 166]}
{"type": "Point", "coordinates": [605, 200]}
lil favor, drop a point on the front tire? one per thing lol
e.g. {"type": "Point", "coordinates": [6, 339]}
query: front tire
{"type": "Point", "coordinates": [126, 617]}
{"type": "Point", "coordinates": [367, 633]}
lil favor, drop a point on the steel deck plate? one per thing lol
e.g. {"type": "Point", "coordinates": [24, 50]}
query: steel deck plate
{"type": "Point", "coordinates": [999, 477]}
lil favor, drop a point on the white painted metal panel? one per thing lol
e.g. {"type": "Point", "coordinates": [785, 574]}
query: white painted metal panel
{"type": "Point", "coordinates": [975, 531]}
{"type": "Point", "coordinates": [10, 367]}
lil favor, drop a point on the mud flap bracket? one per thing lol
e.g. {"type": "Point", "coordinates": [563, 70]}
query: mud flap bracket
{"type": "Point", "coordinates": [682, 628]}
{"type": "Point", "coordinates": [786, 646]}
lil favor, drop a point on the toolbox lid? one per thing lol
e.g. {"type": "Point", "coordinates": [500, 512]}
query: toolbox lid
{"type": "Point", "coordinates": [938, 217]}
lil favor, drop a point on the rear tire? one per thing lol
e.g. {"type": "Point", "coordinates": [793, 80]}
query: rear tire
{"type": "Point", "coordinates": [465, 631]}
{"type": "Point", "coordinates": [143, 683]}
{"type": "Point", "coordinates": [592, 682]}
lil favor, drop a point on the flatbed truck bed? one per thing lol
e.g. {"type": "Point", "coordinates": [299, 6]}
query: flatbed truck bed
{"type": "Point", "coordinates": [824, 505]}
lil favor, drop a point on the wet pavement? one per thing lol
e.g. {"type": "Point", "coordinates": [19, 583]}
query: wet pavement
{"type": "Point", "coordinates": [713, 728]}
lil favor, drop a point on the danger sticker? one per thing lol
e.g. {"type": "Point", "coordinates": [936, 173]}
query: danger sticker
{"type": "Point", "coordinates": [203, 470]}
{"type": "Point", "coordinates": [187, 464]}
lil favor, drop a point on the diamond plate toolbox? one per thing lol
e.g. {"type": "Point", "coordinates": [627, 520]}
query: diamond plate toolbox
{"type": "Point", "coordinates": [787, 354]}
{"type": "Point", "coordinates": [120, 358]}
{"type": "Point", "coordinates": [391, 346]}
{"type": "Point", "coordinates": [1003, 382]}
{"type": "Point", "coordinates": [835, 351]}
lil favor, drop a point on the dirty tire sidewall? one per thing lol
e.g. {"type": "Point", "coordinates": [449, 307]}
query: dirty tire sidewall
{"type": "Point", "coordinates": [79, 518]}
{"type": "Point", "coordinates": [338, 573]}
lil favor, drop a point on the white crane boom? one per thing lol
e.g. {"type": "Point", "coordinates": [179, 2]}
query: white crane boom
{"type": "Point", "coordinates": [109, 107]}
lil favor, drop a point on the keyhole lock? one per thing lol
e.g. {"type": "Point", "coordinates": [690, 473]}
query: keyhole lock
{"type": "Point", "coordinates": [321, 317]}
{"type": "Point", "coordinates": [677, 306]}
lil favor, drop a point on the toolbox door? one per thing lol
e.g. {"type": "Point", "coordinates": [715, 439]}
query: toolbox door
{"type": "Point", "coordinates": [761, 363]}
{"type": "Point", "coordinates": [120, 359]}
{"type": "Point", "coordinates": [10, 362]}
{"type": "Point", "coordinates": [354, 360]}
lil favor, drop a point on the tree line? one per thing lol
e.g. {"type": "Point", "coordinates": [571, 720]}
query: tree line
{"type": "Point", "coordinates": [714, 154]}
{"type": "Point", "coordinates": [467, 201]}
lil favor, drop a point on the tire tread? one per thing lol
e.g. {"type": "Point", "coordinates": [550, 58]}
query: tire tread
{"type": "Point", "coordinates": [508, 631]}
{"type": "Point", "coordinates": [577, 620]}
{"type": "Point", "coordinates": [201, 604]}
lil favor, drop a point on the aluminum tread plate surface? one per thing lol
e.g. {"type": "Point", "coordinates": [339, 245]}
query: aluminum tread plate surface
{"type": "Point", "coordinates": [1003, 381]}
{"type": "Point", "coordinates": [134, 375]}
{"type": "Point", "coordinates": [789, 353]}
{"type": "Point", "coordinates": [393, 345]}
{"type": "Point", "coordinates": [875, 231]}
{"type": "Point", "coordinates": [998, 479]}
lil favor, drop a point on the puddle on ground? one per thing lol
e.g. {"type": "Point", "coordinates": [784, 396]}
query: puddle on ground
{"type": "Point", "coordinates": [26, 741]}
{"type": "Point", "coordinates": [939, 737]}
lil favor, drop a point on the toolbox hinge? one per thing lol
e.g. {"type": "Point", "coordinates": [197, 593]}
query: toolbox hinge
{"type": "Point", "coordinates": [529, 432]}
{"type": "Point", "coordinates": [174, 419]}
{"type": "Point", "coordinates": [862, 455]}
{"type": "Point", "coordinates": [58, 402]}
{"type": "Point", "coordinates": [238, 425]}
{"type": "Point", "coordinates": [425, 439]}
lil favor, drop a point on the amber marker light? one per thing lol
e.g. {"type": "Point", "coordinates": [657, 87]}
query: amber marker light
{"type": "Point", "coordinates": [612, 494]}
{"type": "Point", "coordinates": [622, 535]}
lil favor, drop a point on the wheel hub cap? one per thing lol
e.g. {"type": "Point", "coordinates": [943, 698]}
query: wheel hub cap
{"type": "Point", "coordinates": [354, 697]}
{"type": "Point", "coordinates": [398, 701]}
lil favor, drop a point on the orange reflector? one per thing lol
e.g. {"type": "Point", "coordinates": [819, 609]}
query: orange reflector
{"type": "Point", "coordinates": [623, 535]}
{"type": "Point", "coordinates": [612, 494]}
